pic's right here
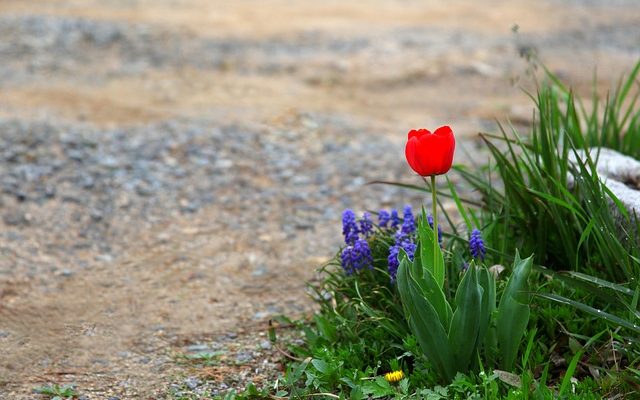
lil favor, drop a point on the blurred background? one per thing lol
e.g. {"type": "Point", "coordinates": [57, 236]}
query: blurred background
{"type": "Point", "coordinates": [174, 168]}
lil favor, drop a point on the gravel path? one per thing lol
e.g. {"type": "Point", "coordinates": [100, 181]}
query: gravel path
{"type": "Point", "coordinates": [170, 178]}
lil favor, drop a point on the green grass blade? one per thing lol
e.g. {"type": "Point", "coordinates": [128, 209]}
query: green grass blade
{"type": "Point", "coordinates": [590, 310]}
{"type": "Point", "coordinates": [571, 369]}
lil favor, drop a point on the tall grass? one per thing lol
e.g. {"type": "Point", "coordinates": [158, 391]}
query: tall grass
{"type": "Point", "coordinates": [558, 209]}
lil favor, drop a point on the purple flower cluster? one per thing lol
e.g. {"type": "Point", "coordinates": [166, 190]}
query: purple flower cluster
{"type": "Point", "coordinates": [404, 239]}
{"type": "Point", "coordinates": [356, 257]}
{"type": "Point", "coordinates": [383, 218]}
{"type": "Point", "coordinates": [366, 226]}
{"type": "Point", "coordinates": [476, 245]}
{"type": "Point", "coordinates": [357, 254]}
{"type": "Point", "coordinates": [349, 227]}
{"type": "Point", "coordinates": [408, 222]}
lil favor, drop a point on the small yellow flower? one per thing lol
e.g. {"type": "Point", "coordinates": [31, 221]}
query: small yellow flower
{"type": "Point", "coordinates": [394, 377]}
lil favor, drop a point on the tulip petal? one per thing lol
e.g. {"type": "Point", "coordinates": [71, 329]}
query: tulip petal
{"type": "Point", "coordinates": [443, 131]}
{"type": "Point", "coordinates": [418, 133]}
{"type": "Point", "coordinates": [410, 152]}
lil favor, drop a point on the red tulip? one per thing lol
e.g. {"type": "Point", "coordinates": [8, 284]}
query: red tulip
{"type": "Point", "coordinates": [430, 153]}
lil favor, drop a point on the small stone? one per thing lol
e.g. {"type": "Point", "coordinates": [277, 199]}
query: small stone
{"type": "Point", "coordinates": [142, 189]}
{"type": "Point", "coordinates": [49, 192]}
{"type": "Point", "coordinates": [21, 196]}
{"type": "Point", "coordinates": [265, 345]}
{"type": "Point", "coordinates": [96, 215]}
{"type": "Point", "coordinates": [261, 315]}
{"type": "Point", "coordinates": [192, 382]}
{"type": "Point", "coordinates": [4, 334]}
{"type": "Point", "coordinates": [187, 206]}
{"type": "Point", "coordinates": [223, 164]}
{"type": "Point", "coordinates": [261, 270]}
{"type": "Point", "coordinates": [195, 348]}
{"type": "Point", "coordinates": [16, 219]}
{"type": "Point", "coordinates": [243, 357]}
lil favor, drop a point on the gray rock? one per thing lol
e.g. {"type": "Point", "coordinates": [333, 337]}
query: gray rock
{"type": "Point", "coordinates": [196, 348]}
{"type": "Point", "coordinates": [192, 382]}
{"type": "Point", "coordinates": [265, 345]}
{"type": "Point", "coordinates": [244, 357]}
{"type": "Point", "coordinates": [620, 173]}
{"type": "Point", "coordinates": [16, 219]}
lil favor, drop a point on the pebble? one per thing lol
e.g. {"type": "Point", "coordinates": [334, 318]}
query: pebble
{"type": "Point", "coordinates": [265, 345]}
{"type": "Point", "coordinates": [192, 382]}
{"type": "Point", "coordinates": [244, 357]}
{"type": "Point", "coordinates": [66, 273]}
{"type": "Point", "coordinates": [16, 219]}
{"type": "Point", "coordinates": [196, 348]}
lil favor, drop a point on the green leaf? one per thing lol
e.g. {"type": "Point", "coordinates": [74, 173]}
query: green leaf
{"type": "Point", "coordinates": [377, 388]}
{"type": "Point", "coordinates": [425, 322]}
{"type": "Point", "coordinates": [488, 307]}
{"type": "Point", "coordinates": [602, 283]}
{"type": "Point", "coordinates": [595, 312]}
{"type": "Point", "coordinates": [431, 262]}
{"type": "Point", "coordinates": [513, 312]}
{"type": "Point", "coordinates": [566, 381]}
{"type": "Point", "coordinates": [357, 394]}
{"type": "Point", "coordinates": [465, 324]}
{"type": "Point", "coordinates": [320, 365]}
{"type": "Point", "coordinates": [433, 293]}
{"type": "Point", "coordinates": [325, 327]}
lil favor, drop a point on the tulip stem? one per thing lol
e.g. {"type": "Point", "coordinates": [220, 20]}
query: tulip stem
{"type": "Point", "coordinates": [434, 206]}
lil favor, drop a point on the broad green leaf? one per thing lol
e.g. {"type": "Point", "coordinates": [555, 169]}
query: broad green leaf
{"type": "Point", "coordinates": [488, 306]}
{"type": "Point", "coordinates": [513, 312]}
{"type": "Point", "coordinates": [433, 293]}
{"type": "Point", "coordinates": [430, 261]}
{"type": "Point", "coordinates": [465, 324]}
{"type": "Point", "coordinates": [424, 322]}
{"type": "Point", "coordinates": [320, 365]}
{"type": "Point", "coordinates": [378, 388]}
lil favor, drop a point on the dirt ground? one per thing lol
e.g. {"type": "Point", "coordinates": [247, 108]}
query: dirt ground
{"type": "Point", "coordinates": [174, 170]}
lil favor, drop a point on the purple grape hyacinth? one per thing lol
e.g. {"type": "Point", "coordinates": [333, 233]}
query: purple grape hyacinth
{"type": "Point", "coordinates": [476, 245]}
{"type": "Point", "coordinates": [395, 219]}
{"type": "Point", "coordinates": [356, 257]}
{"type": "Point", "coordinates": [409, 222]}
{"type": "Point", "coordinates": [349, 227]}
{"type": "Point", "coordinates": [404, 242]}
{"type": "Point", "coordinates": [383, 218]}
{"type": "Point", "coordinates": [366, 226]}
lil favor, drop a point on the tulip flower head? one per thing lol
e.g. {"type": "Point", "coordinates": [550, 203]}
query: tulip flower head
{"type": "Point", "coordinates": [430, 154]}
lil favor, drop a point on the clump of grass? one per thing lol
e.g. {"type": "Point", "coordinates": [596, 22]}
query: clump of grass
{"type": "Point", "coordinates": [548, 203]}
{"type": "Point", "coordinates": [57, 392]}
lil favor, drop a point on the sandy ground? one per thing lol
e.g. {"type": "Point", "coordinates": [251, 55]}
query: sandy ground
{"type": "Point", "coordinates": [377, 68]}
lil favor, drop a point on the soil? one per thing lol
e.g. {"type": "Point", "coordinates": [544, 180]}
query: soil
{"type": "Point", "coordinates": [172, 172]}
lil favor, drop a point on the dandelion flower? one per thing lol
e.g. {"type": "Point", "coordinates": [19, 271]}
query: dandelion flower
{"type": "Point", "coordinates": [394, 377]}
